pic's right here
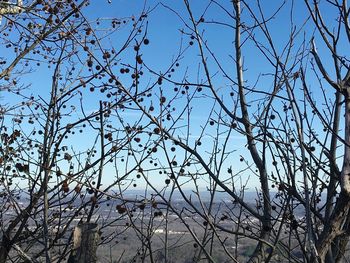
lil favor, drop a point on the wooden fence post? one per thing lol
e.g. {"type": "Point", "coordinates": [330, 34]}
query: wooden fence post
{"type": "Point", "coordinates": [85, 240]}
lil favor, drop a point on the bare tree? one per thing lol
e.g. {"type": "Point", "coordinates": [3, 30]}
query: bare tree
{"type": "Point", "coordinates": [240, 148]}
{"type": "Point", "coordinates": [50, 177]}
{"type": "Point", "coordinates": [302, 206]}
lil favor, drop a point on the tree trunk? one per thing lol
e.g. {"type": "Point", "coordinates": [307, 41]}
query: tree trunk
{"type": "Point", "coordinates": [4, 249]}
{"type": "Point", "coordinates": [337, 225]}
{"type": "Point", "coordinates": [85, 240]}
{"type": "Point", "coordinates": [3, 254]}
{"type": "Point", "coordinates": [335, 228]}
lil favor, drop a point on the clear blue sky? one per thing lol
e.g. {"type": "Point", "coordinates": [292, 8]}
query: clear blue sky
{"type": "Point", "coordinates": [164, 33]}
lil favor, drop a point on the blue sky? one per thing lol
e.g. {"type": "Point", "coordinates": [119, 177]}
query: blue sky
{"type": "Point", "coordinates": [164, 33]}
